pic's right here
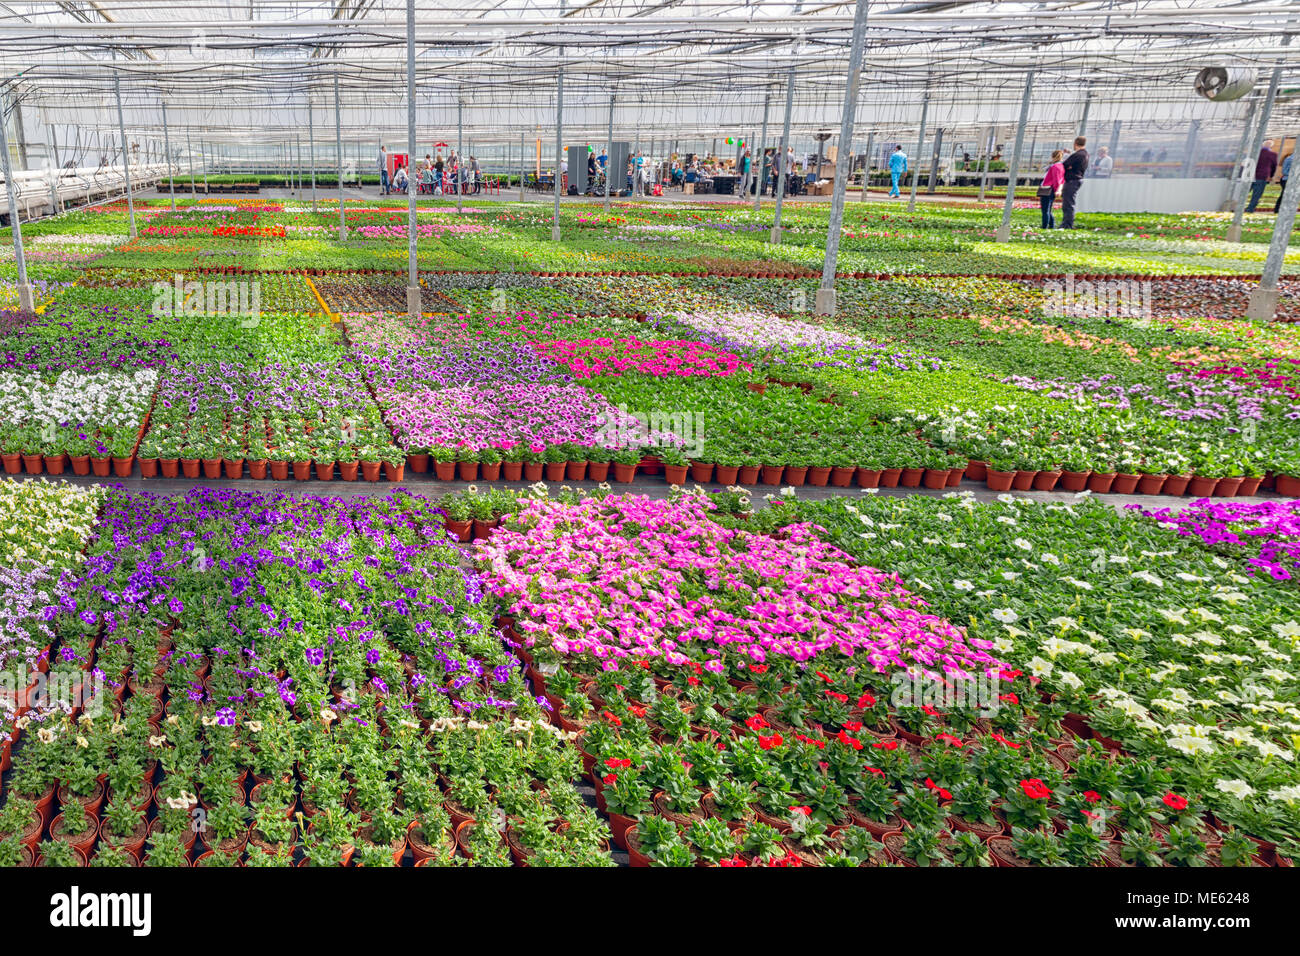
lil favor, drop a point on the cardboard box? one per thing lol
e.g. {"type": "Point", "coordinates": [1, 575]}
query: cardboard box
{"type": "Point", "coordinates": [689, 189]}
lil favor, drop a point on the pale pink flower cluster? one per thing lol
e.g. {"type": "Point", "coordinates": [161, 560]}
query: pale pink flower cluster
{"type": "Point", "coordinates": [629, 578]}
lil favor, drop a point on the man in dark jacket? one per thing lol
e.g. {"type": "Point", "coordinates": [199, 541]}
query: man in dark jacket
{"type": "Point", "coordinates": [1076, 164]}
{"type": "Point", "coordinates": [1265, 167]}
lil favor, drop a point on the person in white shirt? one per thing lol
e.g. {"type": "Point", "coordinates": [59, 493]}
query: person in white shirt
{"type": "Point", "coordinates": [1105, 164]}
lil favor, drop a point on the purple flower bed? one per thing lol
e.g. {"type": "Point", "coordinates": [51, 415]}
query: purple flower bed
{"type": "Point", "coordinates": [1270, 529]}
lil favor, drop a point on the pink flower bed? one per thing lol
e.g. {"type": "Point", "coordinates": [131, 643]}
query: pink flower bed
{"type": "Point", "coordinates": [664, 358]}
{"type": "Point", "coordinates": [628, 578]}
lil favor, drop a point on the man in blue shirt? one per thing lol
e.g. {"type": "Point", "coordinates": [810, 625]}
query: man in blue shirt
{"type": "Point", "coordinates": [1286, 171]}
{"type": "Point", "coordinates": [897, 169]}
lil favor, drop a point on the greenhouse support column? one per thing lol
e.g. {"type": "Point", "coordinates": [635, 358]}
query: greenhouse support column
{"type": "Point", "coordinates": [54, 166]}
{"type": "Point", "coordinates": [26, 301]}
{"type": "Point", "coordinates": [523, 169]}
{"type": "Point", "coordinates": [934, 161]}
{"type": "Point", "coordinates": [413, 304]}
{"type": "Point", "coordinates": [1087, 107]}
{"type": "Point", "coordinates": [756, 160]}
{"type": "Point", "coordinates": [1247, 125]}
{"type": "Point", "coordinates": [609, 153]}
{"type": "Point", "coordinates": [920, 146]}
{"type": "Point", "coordinates": [167, 150]}
{"type": "Point", "coordinates": [1117, 126]}
{"type": "Point", "coordinates": [297, 161]}
{"type": "Point", "coordinates": [1004, 229]}
{"type": "Point", "coordinates": [779, 159]}
{"type": "Point", "coordinates": [189, 157]}
{"type": "Point", "coordinates": [1234, 231]}
{"type": "Point", "coordinates": [1189, 148]}
{"type": "Point", "coordinates": [1263, 300]}
{"type": "Point", "coordinates": [460, 151]}
{"type": "Point", "coordinates": [203, 153]}
{"type": "Point", "coordinates": [988, 158]}
{"type": "Point", "coordinates": [559, 152]}
{"type": "Point", "coordinates": [126, 156]}
{"type": "Point", "coordinates": [311, 151]}
{"type": "Point", "coordinates": [338, 148]}
{"type": "Point", "coordinates": [866, 165]}
{"type": "Point", "coordinates": [825, 302]}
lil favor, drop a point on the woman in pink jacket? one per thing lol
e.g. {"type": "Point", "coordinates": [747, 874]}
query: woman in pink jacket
{"type": "Point", "coordinates": [1052, 182]}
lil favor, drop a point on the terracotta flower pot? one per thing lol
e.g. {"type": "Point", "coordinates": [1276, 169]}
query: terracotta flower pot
{"type": "Point", "coordinates": [257, 468]}
{"type": "Point", "coordinates": [468, 470]}
{"type": "Point", "coordinates": [190, 467]}
{"type": "Point", "coordinates": [490, 472]}
{"type": "Point", "coordinates": [370, 470]}
{"type": "Point", "coordinates": [1074, 480]}
{"type": "Point", "coordinates": [13, 463]}
{"type": "Point", "coordinates": [977, 470]}
{"type": "Point", "coordinates": [1046, 480]}
{"type": "Point", "coordinates": [348, 470]}
{"type": "Point", "coordinates": [33, 464]}
{"type": "Point", "coordinates": [512, 470]}
{"type": "Point", "coordinates": [955, 475]}
{"type": "Point", "coordinates": [533, 470]}
{"type": "Point", "coordinates": [999, 480]}
{"type": "Point", "coordinates": [650, 464]}
{"type": "Point", "coordinates": [444, 470]}
{"type": "Point", "coordinates": [325, 470]}
{"type": "Point", "coordinates": [727, 475]}
{"type": "Point", "coordinates": [1099, 482]}
{"type": "Point", "coordinates": [624, 472]}
{"type": "Point", "coordinates": [1200, 487]}
{"type": "Point", "coordinates": [867, 477]}
{"type": "Point", "coordinates": [1288, 486]}
{"type": "Point", "coordinates": [1227, 487]}
{"type": "Point", "coordinates": [889, 477]}
{"type": "Point", "coordinates": [701, 472]}
{"type": "Point", "coordinates": [796, 475]}
{"type": "Point", "coordinates": [394, 472]}
{"type": "Point", "coordinates": [279, 470]}
{"type": "Point", "coordinates": [1125, 484]}
{"type": "Point", "coordinates": [1151, 484]}
{"type": "Point", "coordinates": [1023, 480]}
{"type": "Point", "coordinates": [555, 470]}
{"type": "Point", "coordinates": [302, 470]}
{"type": "Point", "coordinates": [461, 529]}
{"type": "Point", "coordinates": [418, 463]}
{"type": "Point", "coordinates": [912, 477]}
{"type": "Point", "coordinates": [818, 476]}
{"type": "Point", "coordinates": [148, 468]}
{"type": "Point", "coordinates": [1177, 484]}
{"type": "Point", "coordinates": [211, 468]}
{"type": "Point", "coordinates": [122, 467]}
{"type": "Point", "coordinates": [675, 474]}
{"type": "Point", "coordinates": [596, 470]}
{"type": "Point", "coordinates": [234, 468]}
{"type": "Point", "coordinates": [101, 466]}
{"type": "Point", "coordinates": [170, 467]}
{"type": "Point", "coordinates": [1250, 487]}
{"type": "Point", "coordinates": [842, 476]}
{"type": "Point", "coordinates": [748, 474]}
{"type": "Point", "coordinates": [935, 479]}
{"type": "Point", "coordinates": [575, 470]}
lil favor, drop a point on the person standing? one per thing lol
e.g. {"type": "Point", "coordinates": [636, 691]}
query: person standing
{"type": "Point", "coordinates": [1105, 164]}
{"type": "Point", "coordinates": [897, 169]}
{"type": "Point", "coordinates": [1052, 181]}
{"type": "Point", "coordinates": [1075, 167]}
{"type": "Point", "coordinates": [1285, 172]}
{"type": "Point", "coordinates": [789, 170]}
{"type": "Point", "coordinates": [1265, 167]}
{"type": "Point", "coordinates": [745, 174]}
{"type": "Point", "coordinates": [383, 170]}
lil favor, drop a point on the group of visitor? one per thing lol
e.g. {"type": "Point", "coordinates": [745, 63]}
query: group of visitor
{"type": "Point", "coordinates": [1065, 174]}
{"type": "Point", "coordinates": [434, 175]}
